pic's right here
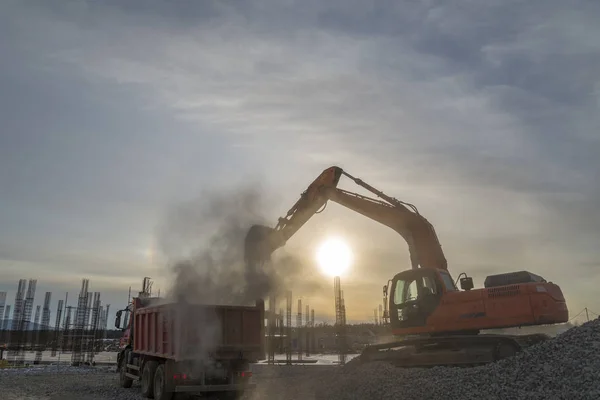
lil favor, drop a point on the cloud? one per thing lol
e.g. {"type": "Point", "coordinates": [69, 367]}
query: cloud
{"type": "Point", "coordinates": [483, 115]}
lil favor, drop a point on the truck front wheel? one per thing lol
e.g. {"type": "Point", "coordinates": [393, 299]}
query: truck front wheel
{"type": "Point", "coordinates": [160, 384]}
{"type": "Point", "coordinates": [124, 380]}
{"type": "Point", "coordinates": [148, 379]}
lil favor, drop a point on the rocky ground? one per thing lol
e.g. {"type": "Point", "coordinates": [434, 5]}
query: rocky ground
{"type": "Point", "coordinates": [567, 367]}
{"type": "Point", "coordinates": [101, 383]}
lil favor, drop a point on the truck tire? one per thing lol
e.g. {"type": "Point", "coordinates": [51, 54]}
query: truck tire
{"type": "Point", "coordinates": [124, 380]}
{"type": "Point", "coordinates": [148, 379]}
{"type": "Point", "coordinates": [160, 384]}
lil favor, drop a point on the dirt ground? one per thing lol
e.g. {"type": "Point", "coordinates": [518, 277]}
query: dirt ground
{"type": "Point", "coordinates": [50, 383]}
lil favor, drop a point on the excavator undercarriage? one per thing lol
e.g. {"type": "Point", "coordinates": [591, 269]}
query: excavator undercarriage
{"type": "Point", "coordinates": [452, 350]}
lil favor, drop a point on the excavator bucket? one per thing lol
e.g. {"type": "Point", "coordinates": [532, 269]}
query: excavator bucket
{"type": "Point", "coordinates": [258, 244]}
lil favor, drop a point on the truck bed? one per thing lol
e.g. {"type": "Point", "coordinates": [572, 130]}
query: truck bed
{"type": "Point", "coordinates": [181, 332]}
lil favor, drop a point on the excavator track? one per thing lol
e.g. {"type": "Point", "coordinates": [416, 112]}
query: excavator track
{"type": "Point", "coordinates": [464, 350]}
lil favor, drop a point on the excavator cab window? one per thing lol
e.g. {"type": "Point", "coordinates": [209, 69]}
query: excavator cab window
{"type": "Point", "coordinates": [411, 291]}
{"type": "Point", "coordinates": [416, 294]}
{"type": "Point", "coordinates": [448, 282]}
{"type": "Point", "coordinates": [414, 289]}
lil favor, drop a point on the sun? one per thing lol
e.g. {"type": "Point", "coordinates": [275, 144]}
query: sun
{"type": "Point", "coordinates": [334, 257]}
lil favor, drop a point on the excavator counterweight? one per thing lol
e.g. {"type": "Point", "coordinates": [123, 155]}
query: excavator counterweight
{"type": "Point", "coordinates": [424, 301]}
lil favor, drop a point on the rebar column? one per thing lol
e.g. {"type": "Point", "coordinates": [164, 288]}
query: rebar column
{"type": "Point", "coordinates": [271, 331]}
{"type": "Point", "coordinates": [81, 317]}
{"type": "Point", "coordinates": [105, 325]}
{"type": "Point", "coordinates": [15, 338]}
{"type": "Point", "coordinates": [5, 327]}
{"type": "Point", "coordinates": [2, 307]}
{"type": "Point", "coordinates": [281, 332]}
{"type": "Point", "coordinates": [57, 328]}
{"type": "Point", "coordinates": [340, 320]}
{"type": "Point", "coordinates": [2, 304]}
{"type": "Point", "coordinates": [307, 331]}
{"type": "Point", "coordinates": [93, 330]}
{"type": "Point", "coordinates": [313, 344]}
{"type": "Point", "coordinates": [288, 330]}
{"type": "Point", "coordinates": [299, 329]}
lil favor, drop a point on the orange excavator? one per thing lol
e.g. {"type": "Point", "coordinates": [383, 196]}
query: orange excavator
{"type": "Point", "coordinates": [434, 321]}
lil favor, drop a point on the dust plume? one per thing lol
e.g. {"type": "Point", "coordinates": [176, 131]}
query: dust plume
{"type": "Point", "coordinates": [203, 241]}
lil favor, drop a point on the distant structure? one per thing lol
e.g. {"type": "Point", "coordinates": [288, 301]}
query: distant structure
{"type": "Point", "coordinates": [340, 320]}
{"type": "Point", "coordinates": [56, 336]}
{"type": "Point", "coordinates": [105, 323]}
{"type": "Point", "coordinates": [299, 329]}
{"type": "Point", "coordinates": [2, 318]}
{"type": "Point", "coordinates": [21, 319]}
{"type": "Point", "coordinates": [46, 311]}
{"type": "Point", "coordinates": [66, 338]}
{"type": "Point", "coordinates": [18, 310]}
{"type": "Point", "coordinates": [271, 330]}
{"type": "Point", "coordinates": [307, 331]}
{"type": "Point", "coordinates": [2, 305]}
{"type": "Point", "coordinates": [79, 334]}
{"type": "Point", "coordinates": [94, 327]}
{"type": "Point", "coordinates": [313, 344]}
{"type": "Point", "coordinates": [288, 330]}
{"type": "Point", "coordinates": [77, 330]}
{"type": "Point", "coordinates": [28, 305]}
{"type": "Point", "coordinates": [281, 326]}
{"type": "Point", "coordinates": [103, 320]}
{"type": "Point", "coordinates": [5, 326]}
{"type": "Point", "coordinates": [386, 313]}
{"type": "Point", "coordinates": [35, 326]}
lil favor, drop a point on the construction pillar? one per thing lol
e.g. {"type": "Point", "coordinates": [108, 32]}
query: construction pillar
{"type": "Point", "coordinates": [299, 329]}
{"type": "Point", "coordinates": [288, 341]}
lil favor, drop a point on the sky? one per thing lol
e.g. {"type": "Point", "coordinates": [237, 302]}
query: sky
{"type": "Point", "coordinates": [482, 114]}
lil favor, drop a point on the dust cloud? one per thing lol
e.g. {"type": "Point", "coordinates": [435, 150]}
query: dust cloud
{"type": "Point", "coordinates": [203, 241]}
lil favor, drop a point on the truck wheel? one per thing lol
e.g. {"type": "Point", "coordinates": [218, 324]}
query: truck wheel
{"type": "Point", "coordinates": [160, 384]}
{"type": "Point", "coordinates": [124, 380]}
{"type": "Point", "coordinates": [148, 379]}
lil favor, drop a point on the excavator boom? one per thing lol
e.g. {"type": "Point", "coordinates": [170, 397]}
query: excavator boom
{"type": "Point", "coordinates": [423, 245]}
{"type": "Point", "coordinates": [261, 241]}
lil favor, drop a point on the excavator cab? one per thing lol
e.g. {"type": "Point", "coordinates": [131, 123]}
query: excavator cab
{"type": "Point", "coordinates": [415, 294]}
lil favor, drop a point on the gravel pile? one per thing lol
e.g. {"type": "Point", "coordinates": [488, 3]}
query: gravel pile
{"type": "Point", "coordinates": [566, 367]}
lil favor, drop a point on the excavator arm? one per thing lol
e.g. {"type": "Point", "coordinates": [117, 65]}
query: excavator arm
{"type": "Point", "coordinates": [424, 247]}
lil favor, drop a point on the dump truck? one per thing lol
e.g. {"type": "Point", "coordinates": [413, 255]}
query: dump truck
{"type": "Point", "coordinates": [177, 347]}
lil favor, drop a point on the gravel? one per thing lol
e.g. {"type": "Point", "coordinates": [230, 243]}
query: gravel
{"type": "Point", "coordinates": [566, 367]}
{"type": "Point", "coordinates": [101, 383]}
